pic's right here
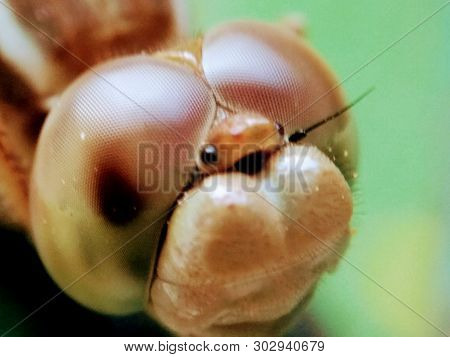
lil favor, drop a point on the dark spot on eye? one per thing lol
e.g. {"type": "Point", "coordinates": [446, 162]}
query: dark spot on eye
{"type": "Point", "coordinates": [297, 136]}
{"type": "Point", "coordinates": [118, 200]}
{"type": "Point", "coordinates": [253, 163]}
{"type": "Point", "coordinates": [280, 129]}
{"type": "Point", "coordinates": [209, 154]}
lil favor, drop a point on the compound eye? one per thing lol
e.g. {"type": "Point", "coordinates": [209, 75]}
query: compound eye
{"type": "Point", "coordinates": [111, 160]}
{"type": "Point", "coordinates": [266, 69]}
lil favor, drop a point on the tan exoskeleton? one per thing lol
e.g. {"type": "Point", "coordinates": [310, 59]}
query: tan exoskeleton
{"type": "Point", "coordinates": [202, 183]}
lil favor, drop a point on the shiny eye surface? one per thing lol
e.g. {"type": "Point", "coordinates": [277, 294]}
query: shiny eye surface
{"type": "Point", "coordinates": [267, 69]}
{"type": "Point", "coordinates": [112, 157]}
{"type": "Point", "coordinates": [209, 154]}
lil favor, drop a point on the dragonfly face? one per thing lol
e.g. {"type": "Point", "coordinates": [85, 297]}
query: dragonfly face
{"type": "Point", "coordinates": [176, 183]}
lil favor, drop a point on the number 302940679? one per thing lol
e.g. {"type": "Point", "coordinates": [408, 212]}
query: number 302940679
{"type": "Point", "coordinates": [205, 181]}
{"type": "Point", "coordinates": [289, 345]}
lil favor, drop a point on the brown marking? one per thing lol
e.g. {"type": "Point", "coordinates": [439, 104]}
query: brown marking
{"type": "Point", "coordinates": [15, 92]}
{"type": "Point", "coordinates": [15, 163]}
{"type": "Point", "coordinates": [13, 88]}
{"type": "Point", "coordinates": [95, 30]}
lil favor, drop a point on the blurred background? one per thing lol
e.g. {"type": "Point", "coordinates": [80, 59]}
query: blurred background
{"type": "Point", "coordinates": [396, 277]}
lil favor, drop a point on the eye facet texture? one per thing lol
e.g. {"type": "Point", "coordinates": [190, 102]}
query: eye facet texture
{"type": "Point", "coordinates": [111, 160]}
{"type": "Point", "coordinates": [121, 145]}
{"type": "Point", "coordinates": [266, 69]}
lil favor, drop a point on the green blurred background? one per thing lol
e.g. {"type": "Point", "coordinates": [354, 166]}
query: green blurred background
{"type": "Point", "coordinates": [402, 218]}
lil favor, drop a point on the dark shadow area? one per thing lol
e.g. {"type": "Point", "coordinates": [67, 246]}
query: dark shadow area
{"type": "Point", "coordinates": [25, 286]}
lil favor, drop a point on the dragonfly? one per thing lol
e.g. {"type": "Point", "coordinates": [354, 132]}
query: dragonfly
{"type": "Point", "coordinates": [205, 180]}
